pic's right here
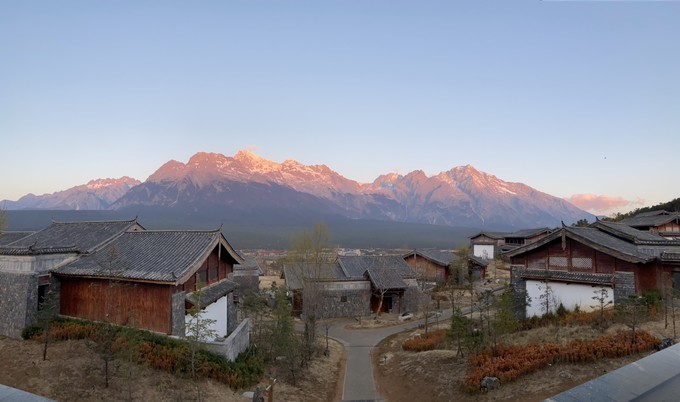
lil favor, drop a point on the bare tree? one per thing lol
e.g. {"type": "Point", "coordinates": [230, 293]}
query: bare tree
{"type": "Point", "coordinates": [311, 253]}
{"type": "Point", "coordinates": [602, 300]}
{"type": "Point", "coordinates": [47, 313]}
{"type": "Point", "coordinates": [198, 330]}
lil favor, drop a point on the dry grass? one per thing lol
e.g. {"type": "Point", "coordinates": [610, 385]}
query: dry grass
{"type": "Point", "coordinates": [74, 372]}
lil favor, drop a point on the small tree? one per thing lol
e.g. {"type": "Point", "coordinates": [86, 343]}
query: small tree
{"type": "Point", "coordinates": [631, 312]}
{"type": "Point", "coordinates": [547, 297]}
{"type": "Point", "coordinates": [198, 330]}
{"type": "Point", "coordinates": [504, 320]}
{"type": "Point", "coordinates": [283, 338]}
{"type": "Point", "coordinates": [47, 313]}
{"type": "Point", "coordinates": [602, 300]}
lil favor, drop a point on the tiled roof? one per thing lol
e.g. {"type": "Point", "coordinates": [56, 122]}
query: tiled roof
{"type": "Point", "coordinates": [595, 238]}
{"type": "Point", "coordinates": [296, 273]}
{"type": "Point", "coordinates": [525, 233]}
{"type": "Point", "coordinates": [583, 277]}
{"type": "Point", "coordinates": [164, 256]}
{"type": "Point", "coordinates": [356, 266]}
{"type": "Point", "coordinates": [84, 236]}
{"type": "Point", "coordinates": [249, 264]}
{"type": "Point", "coordinates": [441, 257]}
{"type": "Point", "coordinates": [7, 238]}
{"type": "Point", "coordinates": [479, 261]}
{"type": "Point", "coordinates": [385, 278]}
{"type": "Point", "coordinates": [649, 219]}
{"type": "Point", "coordinates": [8, 250]}
{"type": "Point", "coordinates": [493, 235]}
{"type": "Point", "coordinates": [211, 294]}
{"type": "Point", "coordinates": [631, 234]}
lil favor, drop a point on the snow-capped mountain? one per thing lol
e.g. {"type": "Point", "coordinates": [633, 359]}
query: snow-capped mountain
{"type": "Point", "coordinates": [462, 196]}
{"type": "Point", "coordinates": [95, 195]}
{"type": "Point", "coordinates": [216, 185]}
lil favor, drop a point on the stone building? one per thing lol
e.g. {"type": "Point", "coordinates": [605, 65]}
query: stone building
{"type": "Point", "coordinates": [353, 286]}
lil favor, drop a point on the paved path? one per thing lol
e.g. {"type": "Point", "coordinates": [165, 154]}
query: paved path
{"type": "Point", "coordinates": [359, 384]}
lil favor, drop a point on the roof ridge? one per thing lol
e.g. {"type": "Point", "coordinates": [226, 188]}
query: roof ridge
{"type": "Point", "coordinates": [102, 221]}
{"type": "Point", "coordinates": [177, 231]}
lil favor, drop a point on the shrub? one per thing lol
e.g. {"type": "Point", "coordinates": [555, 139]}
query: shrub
{"type": "Point", "coordinates": [164, 353]}
{"type": "Point", "coordinates": [31, 332]}
{"type": "Point", "coordinates": [509, 362]}
{"type": "Point", "coordinates": [424, 342]}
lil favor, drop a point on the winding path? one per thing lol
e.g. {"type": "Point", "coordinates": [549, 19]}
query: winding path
{"type": "Point", "coordinates": [359, 384]}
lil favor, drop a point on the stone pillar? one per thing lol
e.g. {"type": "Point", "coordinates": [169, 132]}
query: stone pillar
{"type": "Point", "coordinates": [519, 292]}
{"type": "Point", "coordinates": [18, 302]}
{"type": "Point", "coordinates": [231, 314]}
{"type": "Point", "coordinates": [624, 286]}
{"type": "Point", "coordinates": [178, 313]}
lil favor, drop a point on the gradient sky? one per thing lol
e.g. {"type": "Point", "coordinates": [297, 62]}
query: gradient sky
{"type": "Point", "coordinates": [572, 98]}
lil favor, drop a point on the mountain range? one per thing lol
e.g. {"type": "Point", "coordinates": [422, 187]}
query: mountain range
{"type": "Point", "coordinates": [214, 186]}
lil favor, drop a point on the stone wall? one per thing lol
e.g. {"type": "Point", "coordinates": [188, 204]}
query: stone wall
{"type": "Point", "coordinates": [519, 292]}
{"type": "Point", "coordinates": [231, 314]}
{"type": "Point", "coordinates": [178, 313]}
{"type": "Point", "coordinates": [18, 302]}
{"type": "Point", "coordinates": [236, 343]}
{"type": "Point", "coordinates": [412, 300]}
{"type": "Point", "coordinates": [339, 299]}
{"type": "Point", "coordinates": [624, 286]}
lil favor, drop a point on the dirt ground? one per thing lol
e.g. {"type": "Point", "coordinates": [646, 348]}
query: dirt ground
{"type": "Point", "coordinates": [436, 375]}
{"type": "Point", "coordinates": [74, 372]}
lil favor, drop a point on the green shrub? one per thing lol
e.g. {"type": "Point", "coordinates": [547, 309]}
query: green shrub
{"type": "Point", "coordinates": [31, 331]}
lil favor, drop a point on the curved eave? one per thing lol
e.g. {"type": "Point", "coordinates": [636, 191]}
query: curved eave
{"type": "Point", "coordinates": [586, 242]}
{"type": "Point", "coordinates": [114, 278]}
{"type": "Point", "coordinates": [219, 240]}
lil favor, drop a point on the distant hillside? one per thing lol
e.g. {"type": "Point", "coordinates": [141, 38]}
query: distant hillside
{"type": "Point", "coordinates": [670, 206]}
{"type": "Point", "coordinates": [225, 188]}
{"type": "Point", "coordinates": [263, 231]}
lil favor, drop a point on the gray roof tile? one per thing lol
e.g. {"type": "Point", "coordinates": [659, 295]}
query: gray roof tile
{"type": "Point", "coordinates": [7, 238]}
{"type": "Point", "coordinates": [164, 256]}
{"type": "Point", "coordinates": [83, 236]}
{"type": "Point", "coordinates": [211, 294]}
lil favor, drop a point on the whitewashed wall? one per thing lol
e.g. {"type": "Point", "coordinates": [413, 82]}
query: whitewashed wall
{"type": "Point", "coordinates": [483, 251]}
{"type": "Point", "coordinates": [218, 312]}
{"type": "Point", "coordinates": [569, 294]}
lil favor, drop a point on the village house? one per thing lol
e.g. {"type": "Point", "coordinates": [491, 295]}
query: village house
{"type": "Point", "coordinates": [666, 224]}
{"type": "Point", "coordinates": [576, 261]}
{"type": "Point", "coordinates": [442, 265]}
{"type": "Point", "coordinates": [489, 245]}
{"type": "Point", "coordinates": [353, 286]}
{"type": "Point", "coordinates": [119, 272]}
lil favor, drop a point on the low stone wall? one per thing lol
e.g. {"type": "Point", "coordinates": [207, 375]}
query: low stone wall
{"type": "Point", "coordinates": [18, 302]}
{"type": "Point", "coordinates": [234, 344]}
{"type": "Point", "coordinates": [178, 313]}
{"type": "Point", "coordinates": [624, 286]}
{"type": "Point", "coordinates": [519, 292]}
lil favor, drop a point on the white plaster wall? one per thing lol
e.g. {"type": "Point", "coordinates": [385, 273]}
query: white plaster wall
{"type": "Point", "coordinates": [216, 311]}
{"type": "Point", "coordinates": [483, 251]}
{"type": "Point", "coordinates": [569, 294]}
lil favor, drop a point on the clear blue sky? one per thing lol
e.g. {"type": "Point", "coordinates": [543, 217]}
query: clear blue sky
{"type": "Point", "coordinates": [568, 97]}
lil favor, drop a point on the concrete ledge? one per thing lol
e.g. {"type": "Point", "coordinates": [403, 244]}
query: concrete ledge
{"type": "Point", "coordinates": [632, 382]}
{"type": "Point", "coordinates": [8, 394]}
{"type": "Point", "coordinates": [236, 343]}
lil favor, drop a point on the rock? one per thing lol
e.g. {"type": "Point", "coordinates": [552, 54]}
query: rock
{"type": "Point", "coordinates": [258, 395]}
{"type": "Point", "coordinates": [491, 383]}
{"type": "Point", "coordinates": [666, 342]}
{"type": "Point", "coordinates": [566, 374]}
